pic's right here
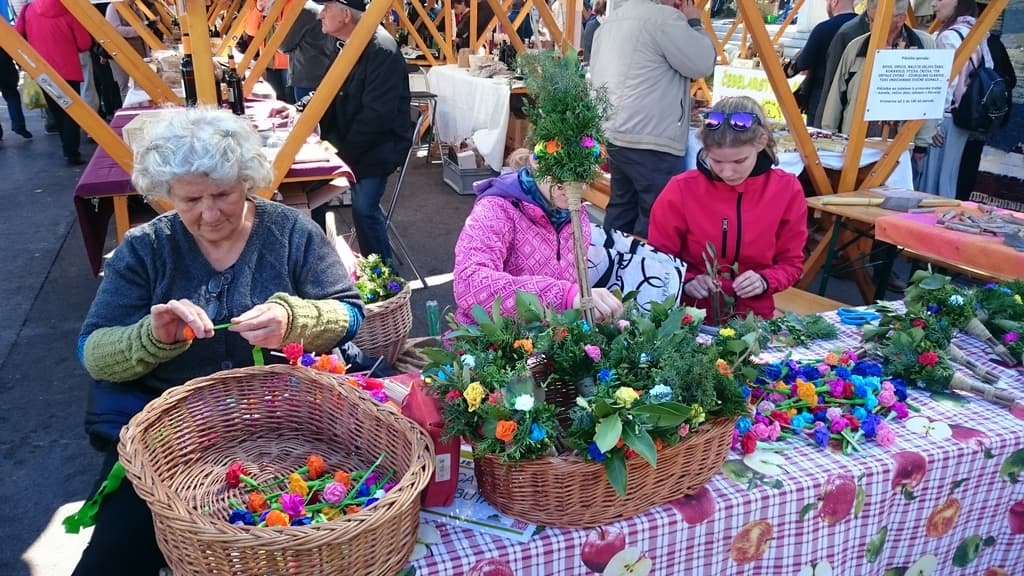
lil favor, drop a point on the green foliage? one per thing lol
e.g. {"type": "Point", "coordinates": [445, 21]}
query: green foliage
{"type": "Point", "coordinates": [904, 352]}
{"type": "Point", "coordinates": [796, 330]}
{"type": "Point", "coordinates": [565, 109]}
{"type": "Point", "coordinates": [376, 281]}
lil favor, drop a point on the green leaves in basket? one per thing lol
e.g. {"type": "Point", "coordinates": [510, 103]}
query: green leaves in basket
{"type": "Point", "coordinates": [664, 414]}
{"type": "Point", "coordinates": [529, 307]}
{"type": "Point", "coordinates": [639, 440]}
{"type": "Point", "coordinates": [609, 430]}
{"type": "Point", "coordinates": [615, 470]}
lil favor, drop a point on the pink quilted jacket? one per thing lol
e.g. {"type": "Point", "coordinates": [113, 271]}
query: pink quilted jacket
{"type": "Point", "coordinates": [510, 245]}
{"type": "Point", "coordinates": [56, 35]}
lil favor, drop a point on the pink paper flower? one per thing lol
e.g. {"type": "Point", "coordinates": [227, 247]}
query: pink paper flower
{"type": "Point", "coordinates": [886, 398]}
{"type": "Point", "coordinates": [838, 425]}
{"type": "Point", "coordinates": [587, 142]}
{"type": "Point", "coordinates": [774, 431]}
{"type": "Point", "coordinates": [834, 414]}
{"type": "Point", "coordinates": [900, 409]}
{"type": "Point", "coordinates": [684, 429]}
{"type": "Point", "coordinates": [1010, 337]}
{"type": "Point", "coordinates": [334, 493]}
{"type": "Point", "coordinates": [593, 352]}
{"type": "Point", "coordinates": [293, 505]}
{"type": "Point", "coordinates": [884, 434]}
{"type": "Point", "coordinates": [760, 431]}
{"type": "Point", "coordinates": [888, 386]}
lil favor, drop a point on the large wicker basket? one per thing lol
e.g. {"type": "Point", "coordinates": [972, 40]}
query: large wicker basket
{"type": "Point", "coordinates": [176, 452]}
{"type": "Point", "coordinates": [569, 492]}
{"type": "Point", "coordinates": [386, 326]}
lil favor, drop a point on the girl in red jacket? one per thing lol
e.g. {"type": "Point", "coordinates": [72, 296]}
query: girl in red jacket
{"type": "Point", "coordinates": [753, 215]}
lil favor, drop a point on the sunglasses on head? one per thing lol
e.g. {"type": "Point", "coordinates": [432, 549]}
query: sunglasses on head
{"type": "Point", "coordinates": [738, 121]}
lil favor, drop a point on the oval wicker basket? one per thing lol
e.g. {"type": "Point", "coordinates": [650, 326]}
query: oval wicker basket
{"type": "Point", "coordinates": [386, 326]}
{"type": "Point", "coordinates": [562, 491]}
{"type": "Point", "coordinates": [176, 452]}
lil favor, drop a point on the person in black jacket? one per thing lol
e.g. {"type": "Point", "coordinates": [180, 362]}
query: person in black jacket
{"type": "Point", "coordinates": [369, 121]}
{"type": "Point", "coordinates": [310, 51]}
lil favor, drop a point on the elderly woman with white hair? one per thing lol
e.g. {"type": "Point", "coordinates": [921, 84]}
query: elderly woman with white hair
{"type": "Point", "coordinates": [223, 257]}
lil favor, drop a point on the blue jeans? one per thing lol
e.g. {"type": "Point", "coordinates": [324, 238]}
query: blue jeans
{"type": "Point", "coordinates": [371, 230]}
{"type": "Point", "coordinates": [637, 178]}
{"type": "Point", "coordinates": [301, 92]}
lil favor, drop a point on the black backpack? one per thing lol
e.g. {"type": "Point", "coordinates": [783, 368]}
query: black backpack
{"type": "Point", "coordinates": [986, 100]}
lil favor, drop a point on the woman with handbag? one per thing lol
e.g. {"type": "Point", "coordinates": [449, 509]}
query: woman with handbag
{"type": "Point", "coordinates": [9, 89]}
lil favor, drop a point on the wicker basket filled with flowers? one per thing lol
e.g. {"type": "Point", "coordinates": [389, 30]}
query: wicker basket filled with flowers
{"type": "Point", "coordinates": [388, 318]}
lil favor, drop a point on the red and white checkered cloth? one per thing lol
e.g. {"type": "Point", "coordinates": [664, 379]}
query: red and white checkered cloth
{"type": "Point", "coordinates": [677, 548]}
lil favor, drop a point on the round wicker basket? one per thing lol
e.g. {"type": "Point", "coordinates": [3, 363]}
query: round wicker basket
{"type": "Point", "coordinates": [176, 452]}
{"type": "Point", "coordinates": [569, 492]}
{"type": "Point", "coordinates": [386, 326]}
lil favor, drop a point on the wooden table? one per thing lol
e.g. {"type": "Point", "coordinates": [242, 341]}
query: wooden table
{"type": "Point", "coordinates": [104, 188]}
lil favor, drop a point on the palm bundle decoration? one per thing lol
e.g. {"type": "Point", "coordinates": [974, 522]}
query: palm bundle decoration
{"type": "Point", "coordinates": [566, 117]}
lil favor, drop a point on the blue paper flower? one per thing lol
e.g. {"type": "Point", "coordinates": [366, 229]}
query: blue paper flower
{"type": "Point", "coordinates": [870, 402]}
{"type": "Point", "coordinates": [363, 491]}
{"type": "Point", "coordinates": [842, 372]}
{"type": "Point", "coordinates": [537, 432]}
{"type": "Point", "coordinates": [394, 286]}
{"type": "Point", "coordinates": [900, 388]}
{"type": "Point", "coordinates": [770, 374]}
{"type": "Point", "coordinates": [810, 373]}
{"type": "Point", "coordinates": [307, 360]}
{"type": "Point", "coordinates": [584, 326]}
{"type": "Point", "coordinates": [596, 453]}
{"type": "Point", "coordinates": [869, 425]}
{"type": "Point", "coordinates": [746, 392]}
{"type": "Point", "coordinates": [933, 308]}
{"type": "Point", "coordinates": [865, 368]}
{"type": "Point", "coordinates": [860, 413]}
{"type": "Point", "coordinates": [604, 376]}
{"type": "Point", "coordinates": [241, 518]}
{"type": "Point", "coordinates": [302, 521]}
{"type": "Point", "coordinates": [660, 393]}
{"type": "Point", "coordinates": [743, 424]}
{"type": "Point", "coordinates": [822, 436]}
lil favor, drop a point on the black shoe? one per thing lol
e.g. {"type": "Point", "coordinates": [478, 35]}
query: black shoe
{"type": "Point", "coordinates": [51, 130]}
{"type": "Point", "coordinates": [23, 133]}
{"type": "Point", "coordinates": [75, 160]}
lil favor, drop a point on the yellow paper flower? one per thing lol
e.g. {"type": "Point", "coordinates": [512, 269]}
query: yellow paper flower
{"type": "Point", "coordinates": [539, 148]}
{"type": "Point", "coordinates": [626, 396]}
{"type": "Point", "coordinates": [805, 391]}
{"type": "Point", "coordinates": [474, 395]}
{"type": "Point", "coordinates": [296, 485]}
{"type": "Point", "coordinates": [1016, 298]}
{"type": "Point", "coordinates": [697, 414]}
{"type": "Point", "coordinates": [726, 332]}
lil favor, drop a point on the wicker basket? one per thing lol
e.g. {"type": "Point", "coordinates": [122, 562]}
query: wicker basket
{"type": "Point", "coordinates": [176, 452]}
{"type": "Point", "coordinates": [569, 492]}
{"type": "Point", "coordinates": [386, 326]}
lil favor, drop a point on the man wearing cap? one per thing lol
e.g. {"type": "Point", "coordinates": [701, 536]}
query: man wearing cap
{"type": "Point", "coordinates": [369, 120]}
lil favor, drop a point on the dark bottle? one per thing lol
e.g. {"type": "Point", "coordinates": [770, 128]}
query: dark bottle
{"type": "Point", "coordinates": [236, 94]}
{"type": "Point", "coordinates": [188, 72]}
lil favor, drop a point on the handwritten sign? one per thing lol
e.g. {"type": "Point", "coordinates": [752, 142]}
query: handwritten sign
{"type": "Point", "coordinates": [908, 84]}
{"type": "Point", "coordinates": [731, 81]}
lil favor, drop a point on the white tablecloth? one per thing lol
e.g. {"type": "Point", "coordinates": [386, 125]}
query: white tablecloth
{"type": "Point", "coordinates": [472, 107]}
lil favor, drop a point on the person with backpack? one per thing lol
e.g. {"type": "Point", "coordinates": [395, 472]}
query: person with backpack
{"type": "Point", "coordinates": [976, 100]}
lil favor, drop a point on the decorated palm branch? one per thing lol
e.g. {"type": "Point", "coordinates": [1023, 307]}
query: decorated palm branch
{"type": "Point", "coordinates": [566, 116]}
{"type": "Point", "coordinates": [940, 299]}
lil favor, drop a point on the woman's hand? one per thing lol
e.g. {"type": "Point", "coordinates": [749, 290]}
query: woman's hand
{"type": "Point", "coordinates": [606, 305]}
{"type": "Point", "coordinates": [264, 325]}
{"type": "Point", "coordinates": [700, 287]}
{"type": "Point", "coordinates": [286, 111]}
{"type": "Point", "coordinates": [170, 320]}
{"type": "Point", "coordinates": [939, 138]}
{"type": "Point", "coordinates": [749, 284]}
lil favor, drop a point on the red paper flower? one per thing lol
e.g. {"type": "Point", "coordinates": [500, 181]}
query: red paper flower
{"type": "Point", "coordinates": [315, 466]}
{"type": "Point", "coordinates": [292, 352]}
{"type": "Point", "coordinates": [687, 319]}
{"type": "Point", "coordinates": [748, 443]}
{"type": "Point", "coordinates": [234, 475]}
{"type": "Point", "coordinates": [848, 390]}
{"type": "Point", "coordinates": [854, 422]}
{"type": "Point", "coordinates": [453, 395]}
{"type": "Point", "coordinates": [928, 358]}
{"type": "Point", "coordinates": [781, 417]}
{"type": "Point", "coordinates": [918, 323]}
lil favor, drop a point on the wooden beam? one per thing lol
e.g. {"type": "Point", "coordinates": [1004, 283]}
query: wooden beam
{"type": "Point", "coordinates": [787, 102]}
{"type": "Point", "coordinates": [859, 128]}
{"type": "Point", "coordinates": [445, 46]}
{"type": "Point", "coordinates": [503, 8]}
{"type": "Point", "coordinates": [709, 27]}
{"type": "Point", "coordinates": [237, 27]}
{"type": "Point", "coordinates": [502, 18]}
{"type": "Point", "coordinates": [449, 33]}
{"type": "Point", "coordinates": [571, 14]}
{"type": "Point", "coordinates": [231, 16]}
{"type": "Point", "coordinates": [789, 19]}
{"type": "Point", "coordinates": [133, 20]}
{"type": "Point", "coordinates": [328, 89]}
{"type": "Point", "coordinates": [291, 16]}
{"type": "Point", "coordinates": [213, 11]}
{"type": "Point", "coordinates": [549, 22]}
{"type": "Point", "coordinates": [202, 56]}
{"type": "Point", "coordinates": [151, 15]}
{"type": "Point", "coordinates": [261, 34]}
{"type": "Point", "coordinates": [121, 51]}
{"type": "Point", "coordinates": [473, 16]}
{"type": "Point", "coordinates": [403, 19]}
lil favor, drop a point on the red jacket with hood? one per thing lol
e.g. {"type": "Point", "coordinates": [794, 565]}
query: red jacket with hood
{"type": "Point", "coordinates": [56, 35]}
{"type": "Point", "coordinates": [761, 225]}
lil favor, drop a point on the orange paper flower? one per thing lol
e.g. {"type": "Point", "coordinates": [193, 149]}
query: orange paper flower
{"type": "Point", "coordinates": [277, 518]}
{"type": "Point", "coordinates": [658, 444]}
{"type": "Point", "coordinates": [506, 430]}
{"type": "Point", "coordinates": [257, 502]}
{"type": "Point", "coordinates": [188, 333]}
{"type": "Point", "coordinates": [353, 509]}
{"type": "Point", "coordinates": [316, 466]}
{"type": "Point", "coordinates": [832, 359]}
{"type": "Point", "coordinates": [343, 478]}
{"type": "Point", "coordinates": [526, 344]}
{"type": "Point", "coordinates": [552, 146]}
{"type": "Point", "coordinates": [723, 367]}
{"type": "Point", "coordinates": [325, 363]}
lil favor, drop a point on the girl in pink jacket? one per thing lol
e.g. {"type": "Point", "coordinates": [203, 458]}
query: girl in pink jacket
{"type": "Point", "coordinates": [754, 215]}
{"type": "Point", "coordinates": [518, 237]}
{"type": "Point", "coordinates": [58, 37]}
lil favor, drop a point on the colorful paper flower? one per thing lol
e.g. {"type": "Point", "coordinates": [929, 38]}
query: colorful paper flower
{"type": "Point", "coordinates": [468, 361]}
{"type": "Point", "coordinates": [297, 485]}
{"type": "Point", "coordinates": [592, 352]}
{"type": "Point", "coordinates": [293, 504]}
{"type": "Point", "coordinates": [928, 358]}
{"type": "Point", "coordinates": [506, 430]}
{"type": "Point", "coordinates": [626, 396]}
{"type": "Point", "coordinates": [660, 393]}
{"type": "Point", "coordinates": [1011, 337]}
{"type": "Point", "coordinates": [241, 518]}
{"type": "Point", "coordinates": [234, 474]}
{"type": "Point", "coordinates": [726, 332]}
{"type": "Point", "coordinates": [277, 518]}
{"type": "Point", "coordinates": [257, 502]}
{"type": "Point", "coordinates": [524, 402]}
{"type": "Point", "coordinates": [453, 395]}
{"type": "Point", "coordinates": [537, 432]}
{"type": "Point", "coordinates": [474, 395]}
{"type": "Point", "coordinates": [524, 344]}
{"type": "Point", "coordinates": [604, 376]}
{"type": "Point", "coordinates": [315, 467]}
{"type": "Point", "coordinates": [343, 478]}
{"type": "Point", "coordinates": [551, 146]}
{"type": "Point", "coordinates": [723, 367]}
{"type": "Point", "coordinates": [595, 452]}
{"type": "Point", "coordinates": [335, 492]}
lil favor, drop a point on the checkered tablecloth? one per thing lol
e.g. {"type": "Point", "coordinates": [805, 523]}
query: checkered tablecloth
{"type": "Point", "coordinates": [981, 536]}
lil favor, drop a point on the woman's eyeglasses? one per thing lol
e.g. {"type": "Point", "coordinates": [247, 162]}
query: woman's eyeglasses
{"type": "Point", "coordinates": [738, 121]}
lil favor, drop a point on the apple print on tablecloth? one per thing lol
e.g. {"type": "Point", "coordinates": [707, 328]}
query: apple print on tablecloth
{"type": "Point", "coordinates": [738, 471]}
{"type": "Point", "coordinates": [600, 546]}
{"type": "Point", "coordinates": [840, 496]}
{"type": "Point", "coordinates": [696, 507]}
{"type": "Point", "coordinates": [995, 571]}
{"type": "Point", "coordinates": [972, 437]}
{"type": "Point", "coordinates": [751, 542]}
{"type": "Point", "coordinates": [1017, 410]}
{"type": "Point", "coordinates": [491, 567]}
{"type": "Point", "coordinates": [925, 566]}
{"type": "Point", "coordinates": [426, 536]}
{"type": "Point", "coordinates": [945, 513]}
{"type": "Point", "coordinates": [911, 468]}
{"type": "Point", "coordinates": [969, 550]}
{"type": "Point", "coordinates": [875, 546]}
{"type": "Point", "coordinates": [823, 568]}
{"type": "Point", "coordinates": [1012, 467]}
{"type": "Point", "coordinates": [1016, 517]}
{"type": "Point", "coordinates": [629, 562]}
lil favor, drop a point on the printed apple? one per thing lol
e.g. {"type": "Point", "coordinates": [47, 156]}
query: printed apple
{"type": "Point", "coordinates": [1012, 467]}
{"type": "Point", "coordinates": [875, 546]}
{"type": "Point", "coordinates": [491, 567]}
{"type": "Point", "coordinates": [969, 436]}
{"type": "Point", "coordinates": [837, 498]}
{"type": "Point", "coordinates": [1016, 516]}
{"type": "Point", "coordinates": [945, 513]}
{"type": "Point", "coordinates": [697, 507]}
{"type": "Point", "coordinates": [970, 548]}
{"type": "Point", "coordinates": [751, 542]}
{"type": "Point", "coordinates": [823, 568]}
{"type": "Point", "coordinates": [600, 546]}
{"type": "Point", "coordinates": [995, 571]}
{"type": "Point", "coordinates": [1017, 410]}
{"type": "Point", "coordinates": [925, 566]}
{"type": "Point", "coordinates": [629, 562]}
{"type": "Point", "coordinates": [911, 468]}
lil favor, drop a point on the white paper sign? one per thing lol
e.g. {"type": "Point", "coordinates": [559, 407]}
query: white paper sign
{"type": "Point", "coordinates": [731, 81]}
{"type": "Point", "coordinates": [908, 84]}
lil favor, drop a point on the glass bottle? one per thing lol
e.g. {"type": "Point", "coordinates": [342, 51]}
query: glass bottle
{"type": "Point", "coordinates": [188, 72]}
{"type": "Point", "coordinates": [236, 93]}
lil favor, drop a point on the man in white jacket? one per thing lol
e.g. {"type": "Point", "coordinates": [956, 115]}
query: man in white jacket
{"type": "Point", "coordinates": [645, 54]}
